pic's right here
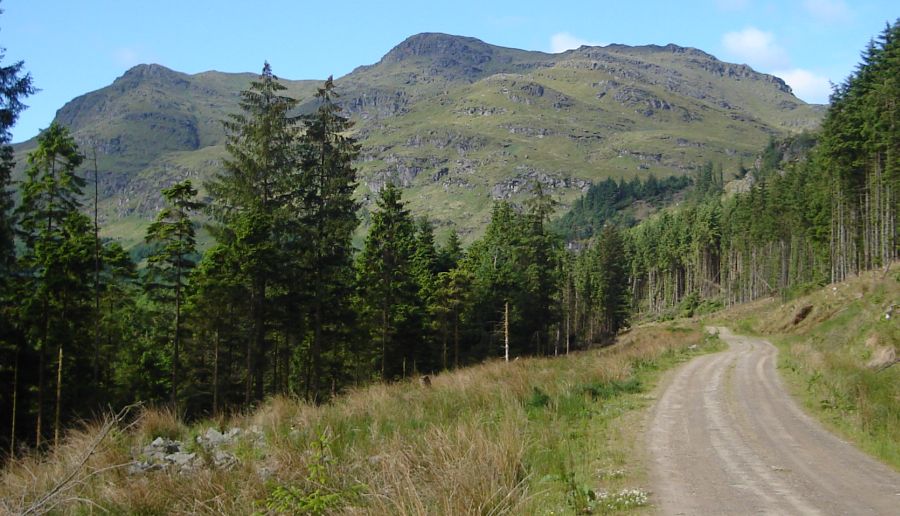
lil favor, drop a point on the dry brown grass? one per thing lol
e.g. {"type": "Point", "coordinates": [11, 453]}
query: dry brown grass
{"type": "Point", "coordinates": [473, 442]}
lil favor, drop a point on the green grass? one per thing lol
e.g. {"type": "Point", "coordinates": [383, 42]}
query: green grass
{"type": "Point", "coordinates": [825, 358]}
{"type": "Point", "coordinates": [827, 369]}
{"type": "Point", "coordinates": [534, 436]}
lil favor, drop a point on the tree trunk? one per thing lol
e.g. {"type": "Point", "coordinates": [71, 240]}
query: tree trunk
{"type": "Point", "coordinates": [215, 400]}
{"type": "Point", "coordinates": [59, 369]}
{"type": "Point", "coordinates": [260, 338]}
{"type": "Point", "coordinates": [41, 382]}
{"type": "Point", "coordinates": [15, 400]}
{"type": "Point", "coordinates": [316, 349]}
{"type": "Point", "coordinates": [506, 330]}
{"type": "Point", "coordinates": [96, 273]}
{"type": "Point", "coordinates": [456, 338]}
{"type": "Point", "coordinates": [176, 344]}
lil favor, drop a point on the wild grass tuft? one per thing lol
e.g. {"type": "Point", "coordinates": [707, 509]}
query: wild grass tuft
{"type": "Point", "coordinates": [522, 437]}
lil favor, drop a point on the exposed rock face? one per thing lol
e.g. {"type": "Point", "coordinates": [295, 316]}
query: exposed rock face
{"type": "Point", "coordinates": [454, 112]}
{"type": "Point", "coordinates": [525, 179]}
{"type": "Point", "coordinates": [445, 49]}
{"type": "Point", "coordinates": [167, 454]}
{"type": "Point", "coordinates": [378, 103]}
{"type": "Point", "coordinates": [164, 453]}
{"type": "Point", "coordinates": [642, 101]}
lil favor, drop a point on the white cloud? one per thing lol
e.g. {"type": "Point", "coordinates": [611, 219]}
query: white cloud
{"type": "Point", "coordinates": [807, 85]}
{"type": "Point", "coordinates": [756, 48]}
{"type": "Point", "coordinates": [562, 41]}
{"type": "Point", "coordinates": [830, 11]}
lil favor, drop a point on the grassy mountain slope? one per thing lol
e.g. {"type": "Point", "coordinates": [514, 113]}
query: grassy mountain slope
{"type": "Point", "coordinates": [456, 121]}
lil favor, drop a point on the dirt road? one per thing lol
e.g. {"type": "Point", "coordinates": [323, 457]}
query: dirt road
{"type": "Point", "coordinates": [725, 438]}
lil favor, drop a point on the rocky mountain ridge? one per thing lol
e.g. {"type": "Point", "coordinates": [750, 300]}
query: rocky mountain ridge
{"type": "Point", "coordinates": [456, 121]}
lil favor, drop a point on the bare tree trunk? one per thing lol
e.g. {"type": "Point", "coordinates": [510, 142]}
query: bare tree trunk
{"type": "Point", "coordinates": [506, 331]}
{"type": "Point", "coordinates": [59, 368]}
{"type": "Point", "coordinates": [456, 338]}
{"type": "Point", "coordinates": [176, 344]}
{"type": "Point", "coordinates": [41, 382]}
{"type": "Point", "coordinates": [444, 346]}
{"type": "Point", "coordinates": [15, 400]}
{"type": "Point", "coordinates": [215, 402]}
{"type": "Point", "coordinates": [96, 271]}
{"type": "Point", "coordinates": [384, 332]}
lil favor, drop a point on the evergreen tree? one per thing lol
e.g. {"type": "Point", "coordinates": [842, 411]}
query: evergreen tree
{"type": "Point", "coordinates": [543, 249]}
{"type": "Point", "coordinates": [451, 298]}
{"type": "Point", "coordinates": [15, 86]}
{"type": "Point", "coordinates": [174, 239]}
{"type": "Point", "coordinates": [451, 254]}
{"type": "Point", "coordinates": [424, 266]}
{"type": "Point", "coordinates": [248, 196]}
{"type": "Point", "coordinates": [389, 290]}
{"type": "Point", "coordinates": [57, 255]}
{"type": "Point", "coordinates": [217, 298]}
{"type": "Point", "coordinates": [325, 182]}
{"type": "Point", "coordinates": [612, 281]}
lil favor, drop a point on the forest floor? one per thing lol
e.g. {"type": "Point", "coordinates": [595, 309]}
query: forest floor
{"type": "Point", "coordinates": [726, 437]}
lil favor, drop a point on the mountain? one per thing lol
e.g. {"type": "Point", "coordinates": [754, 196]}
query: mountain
{"type": "Point", "coordinates": [457, 122]}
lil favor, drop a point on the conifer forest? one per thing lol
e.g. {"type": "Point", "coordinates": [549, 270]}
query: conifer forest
{"type": "Point", "coordinates": [281, 300]}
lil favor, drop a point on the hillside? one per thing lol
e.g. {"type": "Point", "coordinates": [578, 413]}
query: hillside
{"type": "Point", "coordinates": [536, 435]}
{"type": "Point", "coordinates": [456, 121]}
{"type": "Point", "coordinates": [532, 436]}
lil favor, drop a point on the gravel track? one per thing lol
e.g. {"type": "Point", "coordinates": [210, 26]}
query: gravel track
{"type": "Point", "coordinates": [726, 438]}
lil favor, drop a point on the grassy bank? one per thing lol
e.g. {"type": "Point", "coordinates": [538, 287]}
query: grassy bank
{"type": "Point", "coordinates": [554, 435]}
{"type": "Point", "coordinates": [835, 358]}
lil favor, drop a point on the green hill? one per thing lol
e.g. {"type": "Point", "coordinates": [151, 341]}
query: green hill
{"type": "Point", "coordinates": [457, 122]}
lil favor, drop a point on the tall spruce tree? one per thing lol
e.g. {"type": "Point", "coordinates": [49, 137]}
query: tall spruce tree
{"type": "Point", "coordinates": [323, 189]}
{"type": "Point", "coordinates": [52, 230]}
{"type": "Point", "coordinates": [174, 242]}
{"type": "Point", "coordinates": [612, 282]}
{"type": "Point", "coordinates": [389, 290]}
{"type": "Point", "coordinates": [15, 86]}
{"type": "Point", "coordinates": [248, 197]}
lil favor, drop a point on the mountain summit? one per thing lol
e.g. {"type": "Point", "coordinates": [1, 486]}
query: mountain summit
{"type": "Point", "coordinates": [456, 121]}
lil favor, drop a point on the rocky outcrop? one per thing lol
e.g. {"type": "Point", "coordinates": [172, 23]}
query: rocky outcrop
{"type": "Point", "coordinates": [378, 103]}
{"type": "Point", "coordinates": [213, 449]}
{"type": "Point", "coordinates": [525, 179]}
{"type": "Point", "coordinates": [641, 100]}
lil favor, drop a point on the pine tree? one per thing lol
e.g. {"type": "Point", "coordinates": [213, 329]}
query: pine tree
{"type": "Point", "coordinates": [451, 254]}
{"type": "Point", "coordinates": [218, 296]}
{"type": "Point", "coordinates": [450, 300]}
{"type": "Point", "coordinates": [248, 196]}
{"type": "Point", "coordinates": [424, 268]}
{"type": "Point", "coordinates": [174, 239]}
{"type": "Point", "coordinates": [389, 291]}
{"type": "Point", "coordinates": [325, 182]}
{"type": "Point", "coordinates": [543, 249]}
{"type": "Point", "coordinates": [15, 86]}
{"type": "Point", "coordinates": [52, 229]}
{"type": "Point", "coordinates": [612, 282]}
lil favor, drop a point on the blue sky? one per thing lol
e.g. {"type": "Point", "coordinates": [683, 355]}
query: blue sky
{"type": "Point", "coordinates": [75, 46]}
